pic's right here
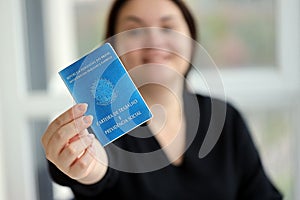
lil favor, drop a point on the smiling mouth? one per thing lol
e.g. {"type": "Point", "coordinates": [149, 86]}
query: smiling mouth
{"type": "Point", "coordinates": [156, 56]}
{"type": "Point", "coordinates": [154, 60]}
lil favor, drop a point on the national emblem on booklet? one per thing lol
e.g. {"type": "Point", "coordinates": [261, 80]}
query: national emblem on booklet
{"type": "Point", "coordinates": [100, 80]}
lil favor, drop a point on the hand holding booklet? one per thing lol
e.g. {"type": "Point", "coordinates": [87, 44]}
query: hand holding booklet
{"type": "Point", "coordinates": [100, 80]}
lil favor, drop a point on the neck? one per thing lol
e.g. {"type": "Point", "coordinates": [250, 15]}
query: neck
{"type": "Point", "coordinates": [166, 105]}
{"type": "Point", "coordinates": [168, 122]}
{"type": "Point", "coordinates": [168, 98]}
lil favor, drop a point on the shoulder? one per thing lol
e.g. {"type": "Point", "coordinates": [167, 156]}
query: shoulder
{"type": "Point", "coordinates": [226, 131]}
{"type": "Point", "coordinates": [223, 117]}
{"type": "Point", "coordinates": [220, 107]}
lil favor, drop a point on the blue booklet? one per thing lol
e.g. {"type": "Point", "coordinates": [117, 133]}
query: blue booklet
{"type": "Point", "coordinates": [100, 80]}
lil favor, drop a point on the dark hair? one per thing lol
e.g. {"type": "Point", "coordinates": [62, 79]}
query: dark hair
{"type": "Point", "coordinates": [118, 4]}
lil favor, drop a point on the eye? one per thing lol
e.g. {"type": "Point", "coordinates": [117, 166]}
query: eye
{"type": "Point", "coordinates": [167, 29]}
{"type": "Point", "coordinates": [135, 32]}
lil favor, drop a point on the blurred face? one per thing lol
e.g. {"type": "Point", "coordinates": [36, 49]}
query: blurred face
{"type": "Point", "coordinates": [154, 40]}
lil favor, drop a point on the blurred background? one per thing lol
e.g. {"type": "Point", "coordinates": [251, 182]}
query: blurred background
{"type": "Point", "coordinates": [255, 44]}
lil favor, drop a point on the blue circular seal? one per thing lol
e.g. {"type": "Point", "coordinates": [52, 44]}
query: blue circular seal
{"type": "Point", "coordinates": [103, 92]}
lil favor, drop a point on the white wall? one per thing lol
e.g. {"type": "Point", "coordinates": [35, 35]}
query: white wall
{"type": "Point", "coordinates": [17, 180]}
{"type": "Point", "coordinates": [2, 174]}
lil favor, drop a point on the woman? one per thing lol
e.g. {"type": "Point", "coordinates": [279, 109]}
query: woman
{"type": "Point", "coordinates": [232, 170]}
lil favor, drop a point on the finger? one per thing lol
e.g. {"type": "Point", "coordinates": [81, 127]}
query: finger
{"type": "Point", "coordinates": [77, 137]}
{"type": "Point", "coordinates": [98, 152]}
{"type": "Point", "coordinates": [75, 150]}
{"type": "Point", "coordinates": [73, 113]}
{"type": "Point", "coordinates": [65, 134]}
{"type": "Point", "coordinates": [82, 166]}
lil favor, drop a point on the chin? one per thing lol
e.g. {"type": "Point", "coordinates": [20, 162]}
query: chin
{"type": "Point", "coordinates": [155, 74]}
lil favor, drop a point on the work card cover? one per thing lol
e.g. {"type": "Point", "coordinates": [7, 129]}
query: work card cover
{"type": "Point", "coordinates": [100, 80]}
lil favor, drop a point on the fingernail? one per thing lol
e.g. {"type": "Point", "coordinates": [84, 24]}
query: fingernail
{"type": "Point", "coordinates": [88, 119]}
{"type": "Point", "coordinates": [82, 107]}
{"type": "Point", "coordinates": [91, 136]}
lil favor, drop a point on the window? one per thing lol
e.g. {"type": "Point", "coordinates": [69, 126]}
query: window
{"type": "Point", "coordinates": [238, 33]}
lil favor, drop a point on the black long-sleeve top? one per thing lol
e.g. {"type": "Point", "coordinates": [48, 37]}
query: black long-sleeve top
{"type": "Point", "coordinates": [231, 170]}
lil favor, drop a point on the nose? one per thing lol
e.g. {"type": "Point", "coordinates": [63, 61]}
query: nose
{"type": "Point", "coordinates": [154, 38]}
